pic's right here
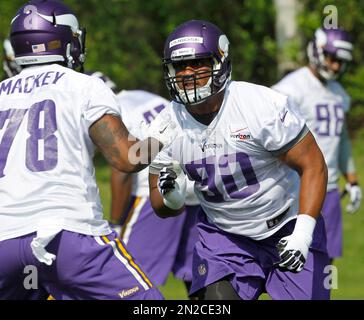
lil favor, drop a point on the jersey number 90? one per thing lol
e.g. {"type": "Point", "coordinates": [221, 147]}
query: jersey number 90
{"type": "Point", "coordinates": [206, 170]}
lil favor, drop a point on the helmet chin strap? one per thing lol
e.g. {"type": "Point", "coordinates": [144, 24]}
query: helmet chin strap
{"type": "Point", "coordinates": [201, 93]}
{"type": "Point", "coordinates": [9, 72]}
{"type": "Point", "coordinates": [327, 74]}
{"type": "Point", "coordinates": [321, 66]}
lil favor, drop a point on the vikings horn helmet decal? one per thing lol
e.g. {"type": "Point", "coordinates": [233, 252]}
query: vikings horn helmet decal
{"type": "Point", "coordinates": [47, 31]}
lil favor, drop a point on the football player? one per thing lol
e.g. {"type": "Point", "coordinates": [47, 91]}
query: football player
{"type": "Point", "coordinates": [238, 141]}
{"type": "Point", "coordinates": [51, 118]}
{"type": "Point", "coordinates": [323, 103]}
{"type": "Point", "coordinates": [161, 246]}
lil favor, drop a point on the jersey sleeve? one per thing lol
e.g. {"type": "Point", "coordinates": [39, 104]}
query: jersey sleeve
{"type": "Point", "coordinates": [288, 88]}
{"type": "Point", "coordinates": [163, 159]}
{"type": "Point", "coordinates": [275, 121]}
{"type": "Point", "coordinates": [100, 101]}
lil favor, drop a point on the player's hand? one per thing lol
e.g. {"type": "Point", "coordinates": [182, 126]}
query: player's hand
{"type": "Point", "coordinates": [293, 253]}
{"type": "Point", "coordinates": [355, 195]}
{"type": "Point", "coordinates": [172, 187]}
{"type": "Point", "coordinates": [166, 180]}
{"type": "Point", "coordinates": [164, 130]}
{"type": "Point", "coordinates": [293, 249]}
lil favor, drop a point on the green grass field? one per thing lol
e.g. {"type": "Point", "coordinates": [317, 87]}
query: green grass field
{"type": "Point", "coordinates": [350, 267]}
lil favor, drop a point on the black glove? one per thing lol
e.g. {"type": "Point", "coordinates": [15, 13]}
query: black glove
{"type": "Point", "coordinates": [166, 180]}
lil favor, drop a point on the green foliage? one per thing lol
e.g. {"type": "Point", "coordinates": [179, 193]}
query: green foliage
{"type": "Point", "coordinates": [125, 38]}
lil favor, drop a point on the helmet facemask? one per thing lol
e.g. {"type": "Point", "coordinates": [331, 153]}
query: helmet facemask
{"type": "Point", "coordinates": [319, 49]}
{"type": "Point", "coordinates": [197, 94]}
{"type": "Point", "coordinates": [322, 67]}
{"type": "Point", "coordinates": [10, 67]}
{"type": "Point", "coordinates": [76, 52]}
{"type": "Point", "coordinates": [196, 40]}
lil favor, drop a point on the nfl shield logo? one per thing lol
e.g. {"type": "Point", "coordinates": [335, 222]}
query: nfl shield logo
{"type": "Point", "coordinates": [202, 269]}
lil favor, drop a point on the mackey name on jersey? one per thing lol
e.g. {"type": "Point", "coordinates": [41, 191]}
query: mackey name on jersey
{"type": "Point", "coordinates": [28, 84]}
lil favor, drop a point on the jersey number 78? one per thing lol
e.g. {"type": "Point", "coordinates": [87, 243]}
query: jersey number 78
{"type": "Point", "coordinates": [41, 145]}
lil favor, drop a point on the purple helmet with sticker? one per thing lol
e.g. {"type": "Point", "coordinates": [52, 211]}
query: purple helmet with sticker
{"type": "Point", "coordinates": [197, 39]}
{"type": "Point", "coordinates": [46, 31]}
{"type": "Point", "coordinates": [334, 42]}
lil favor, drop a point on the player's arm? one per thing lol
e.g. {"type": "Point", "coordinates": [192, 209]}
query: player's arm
{"type": "Point", "coordinates": [121, 184]}
{"type": "Point", "coordinates": [346, 161]}
{"type": "Point", "coordinates": [166, 195]}
{"type": "Point", "coordinates": [123, 152]}
{"type": "Point", "coordinates": [347, 168]}
{"type": "Point", "coordinates": [307, 160]}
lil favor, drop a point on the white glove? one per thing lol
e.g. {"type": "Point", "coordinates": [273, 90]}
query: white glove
{"type": "Point", "coordinates": [354, 192]}
{"type": "Point", "coordinates": [172, 186]}
{"type": "Point", "coordinates": [164, 130]}
{"type": "Point", "coordinates": [293, 249]}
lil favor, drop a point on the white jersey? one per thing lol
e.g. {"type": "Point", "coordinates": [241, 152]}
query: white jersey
{"type": "Point", "coordinates": [324, 108]}
{"type": "Point", "coordinates": [137, 106]}
{"type": "Point", "coordinates": [242, 186]}
{"type": "Point", "coordinates": [47, 177]}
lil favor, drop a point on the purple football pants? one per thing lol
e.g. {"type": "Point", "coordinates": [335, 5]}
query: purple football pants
{"type": "Point", "coordinates": [86, 267]}
{"type": "Point", "coordinates": [160, 245]}
{"type": "Point", "coordinates": [248, 264]}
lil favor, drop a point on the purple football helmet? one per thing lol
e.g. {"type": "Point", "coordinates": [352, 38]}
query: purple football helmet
{"type": "Point", "coordinates": [98, 74]}
{"type": "Point", "coordinates": [47, 31]}
{"type": "Point", "coordinates": [334, 42]}
{"type": "Point", "coordinates": [10, 66]}
{"type": "Point", "coordinates": [197, 39]}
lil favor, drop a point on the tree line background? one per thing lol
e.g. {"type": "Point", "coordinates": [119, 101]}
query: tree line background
{"type": "Point", "coordinates": [125, 38]}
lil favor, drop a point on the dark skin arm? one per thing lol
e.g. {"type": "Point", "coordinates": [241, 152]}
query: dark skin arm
{"type": "Point", "coordinates": [156, 200]}
{"type": "Point", "coordinates": [110, 135]}
{"type": "Point", "coordinates": [121, 184]}
{"type": "Point", "coordinates": [307, 160]}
